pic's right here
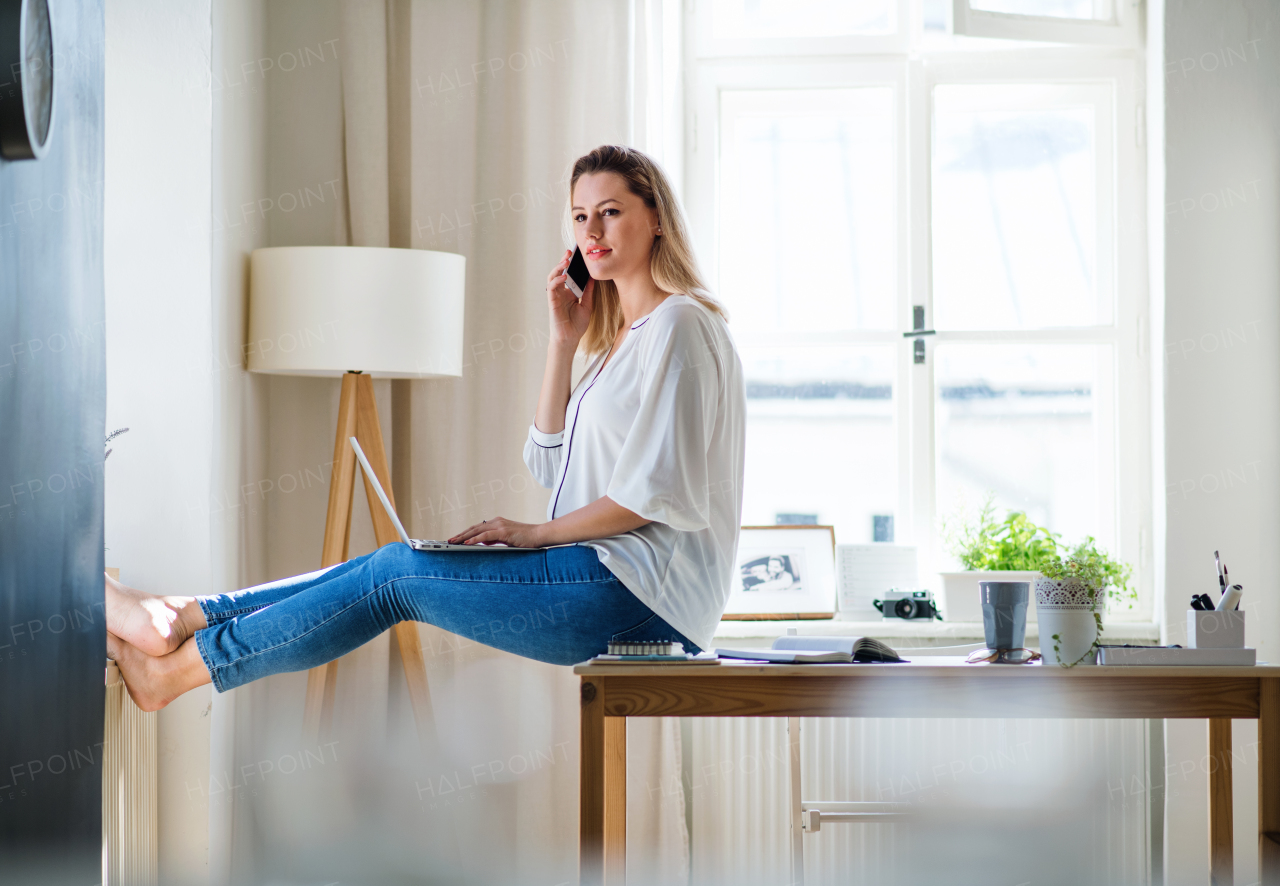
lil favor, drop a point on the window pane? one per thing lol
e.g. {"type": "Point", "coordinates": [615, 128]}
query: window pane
{"type": "Point", "coordinates": [821, 444]}
{"type": "Point", "coordinates": [1022, 421]}
{"type": "Point", "coordinates": [1100, 10]}
{"type": "Point", "coordinates": [808, 201]}
{"type": "Point", "coordinates": [801, 18]}
{"type": "Point", "coordinates": [934, 14]}
{"type": "Point", "coordinates": [1015, 209]}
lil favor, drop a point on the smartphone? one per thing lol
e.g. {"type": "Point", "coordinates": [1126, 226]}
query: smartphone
{"type": "Point", "coordinates": [577, 274]}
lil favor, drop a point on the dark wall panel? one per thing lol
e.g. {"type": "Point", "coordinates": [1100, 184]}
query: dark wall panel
{"type": "Point", "coordinates": [52, 409]}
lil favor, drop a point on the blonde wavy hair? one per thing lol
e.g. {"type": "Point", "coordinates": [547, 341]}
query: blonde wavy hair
{"type": "Point", "coordinates": [671, 260]}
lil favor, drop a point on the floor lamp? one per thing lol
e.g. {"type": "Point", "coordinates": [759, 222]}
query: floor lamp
{"type": "Point", "coordinates": [357, 313]}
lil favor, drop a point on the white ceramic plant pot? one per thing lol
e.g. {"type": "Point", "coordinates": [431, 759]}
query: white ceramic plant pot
{"type": "Point", "coordinates": [1068, 629]}
{"type": "Point", "coordinates": [960, 599]}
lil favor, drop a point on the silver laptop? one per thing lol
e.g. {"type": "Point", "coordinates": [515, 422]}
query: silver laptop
{"type": "Point", "coordinates": [418, 544]}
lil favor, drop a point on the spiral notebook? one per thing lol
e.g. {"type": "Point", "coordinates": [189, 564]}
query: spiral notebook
{"type": "Point", "coordinates": [652, 652]}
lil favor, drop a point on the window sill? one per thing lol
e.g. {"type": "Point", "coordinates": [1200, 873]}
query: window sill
{"type": "Point", "coordinates": [961, 632]}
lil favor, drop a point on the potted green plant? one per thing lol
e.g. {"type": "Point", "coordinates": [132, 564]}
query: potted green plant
{"type": "Point", "coordinates": [1071, 594]}
{"type": "Point", "coordinates": [1012, 549]}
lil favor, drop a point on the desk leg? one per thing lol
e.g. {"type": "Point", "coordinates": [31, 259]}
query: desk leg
{"type": "Point", "coordinates": [615, 801]}
{"type": "Point", "coordinates": [1269, 781]}
{"type": "Point", "coordinates": [591, 785]}
{"type": "Point", "coordinates": [602, 792]}
{"type": "Point", "coordinates": [797, 807]}
{"type": "Point", "coordinates": [1221, 853]}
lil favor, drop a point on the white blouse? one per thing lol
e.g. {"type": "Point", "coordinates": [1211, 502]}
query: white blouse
{"type": "Point", "coordinates": [661, 430]}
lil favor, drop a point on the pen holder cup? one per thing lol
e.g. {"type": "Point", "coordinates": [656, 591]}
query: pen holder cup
{"type": "Point", "coordinates": [1215, 629]}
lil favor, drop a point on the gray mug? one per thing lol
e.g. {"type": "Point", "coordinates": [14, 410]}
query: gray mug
{"type": "Point", "coordinates": [1004, 613]}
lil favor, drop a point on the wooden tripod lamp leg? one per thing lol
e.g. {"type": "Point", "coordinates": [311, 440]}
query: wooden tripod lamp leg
{"type": "Point", "coordinates": [337, 531]}
{"type": "Point", "coordinates": [358, 417]}
{"type": "Point", "coordinates": [369, 433]}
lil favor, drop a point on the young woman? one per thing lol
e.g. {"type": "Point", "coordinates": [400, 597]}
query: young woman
{"type": "Point", "coordinates": [644, 460]}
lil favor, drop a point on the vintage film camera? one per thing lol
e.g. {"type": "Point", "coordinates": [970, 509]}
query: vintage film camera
{"type": "Point", "coordinates": [908, 604]}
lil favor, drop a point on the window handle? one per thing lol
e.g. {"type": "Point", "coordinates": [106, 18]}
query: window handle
{"type": "Point", "coordinates": [917, 332]}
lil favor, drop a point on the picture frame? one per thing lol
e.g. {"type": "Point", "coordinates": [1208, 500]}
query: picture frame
{"type": "Point", "coordinates": [784, 572]}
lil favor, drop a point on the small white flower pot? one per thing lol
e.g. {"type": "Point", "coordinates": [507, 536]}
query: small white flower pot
{"type": "Point", "coordinates": [961, 601]}
{"type": "Point", "coordinates": [1068, 628]}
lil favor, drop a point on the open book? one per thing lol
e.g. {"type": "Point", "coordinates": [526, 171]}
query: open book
{"type": "Point", "coordinates": [817, 650]}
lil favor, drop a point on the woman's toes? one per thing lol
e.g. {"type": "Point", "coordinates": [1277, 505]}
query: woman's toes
{"type": "Point", "coordinates": [150, 623]}
{"type": "Point", "coordinates": [139, 672]}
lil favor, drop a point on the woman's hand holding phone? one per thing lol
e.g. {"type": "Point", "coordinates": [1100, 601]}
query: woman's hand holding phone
{"type": "Point", "coordinates": [569, 314]}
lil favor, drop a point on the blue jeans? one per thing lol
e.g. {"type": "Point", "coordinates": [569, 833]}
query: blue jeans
{"type": "Point", "coordinates": [560, 605]}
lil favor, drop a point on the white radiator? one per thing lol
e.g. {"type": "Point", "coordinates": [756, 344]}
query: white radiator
{"type": "Point", "coordinates": [130, 775]}
{"type": "Point", "coordinates": [738, 787]}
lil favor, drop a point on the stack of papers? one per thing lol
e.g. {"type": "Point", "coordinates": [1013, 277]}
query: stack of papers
{"type": "Point", "coordinates": [1176, 655]}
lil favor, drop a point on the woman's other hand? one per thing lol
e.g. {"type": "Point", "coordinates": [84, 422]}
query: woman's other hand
{"type": "Point", "coordinates": [569, 314]}
{"type": "Point", "coordinates": [500, 529]}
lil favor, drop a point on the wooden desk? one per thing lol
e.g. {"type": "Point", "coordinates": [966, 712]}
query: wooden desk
{"type": "Point", "coordinates": [930, 687]}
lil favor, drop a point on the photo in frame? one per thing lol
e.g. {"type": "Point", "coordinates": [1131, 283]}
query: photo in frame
{"type": "Point", "coordinates": [784, 572]}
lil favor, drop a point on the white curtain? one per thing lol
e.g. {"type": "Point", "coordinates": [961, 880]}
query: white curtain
{"type": "Point", "coordinates": [456, 125]}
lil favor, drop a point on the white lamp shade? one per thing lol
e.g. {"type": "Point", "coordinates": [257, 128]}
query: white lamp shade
{"type": "Point", "coordinates": [326, 310]}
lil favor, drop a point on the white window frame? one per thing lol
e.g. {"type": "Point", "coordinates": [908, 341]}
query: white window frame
{"type": "Point", "coordinates": [1129, 519]}
{"type": "Point", "coordinates": [914, 75]}
{"type": "Point", "coordinates": [1119, 30]}
{"type": "Point", "coordinates": [706, 45]}
{"type": "Point", "coordinates": [702, 189]}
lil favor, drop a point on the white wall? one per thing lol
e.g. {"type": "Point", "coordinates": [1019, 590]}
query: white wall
{"type": "Point", "coordinates": [241, 196]}
{"type": "Point", "coordinates": [1221, 81]}
{"type": "Point", "coordinates": [194, 488]}
{"type": "Point", "coordinates": [159, 354]}
{"type": "Point", "coordinates": [185, 153]}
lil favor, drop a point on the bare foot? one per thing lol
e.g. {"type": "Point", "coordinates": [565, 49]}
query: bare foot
{"type": "Point", "coordinates": [155, 625]}
{"type": "Point", "coordinates": [154, 681]}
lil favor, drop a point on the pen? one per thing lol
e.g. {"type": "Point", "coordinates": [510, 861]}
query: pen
{"type": "Point", "coordinates": [1222, 582]}
{"type": "Point", "coordinates": [1231, 599]}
